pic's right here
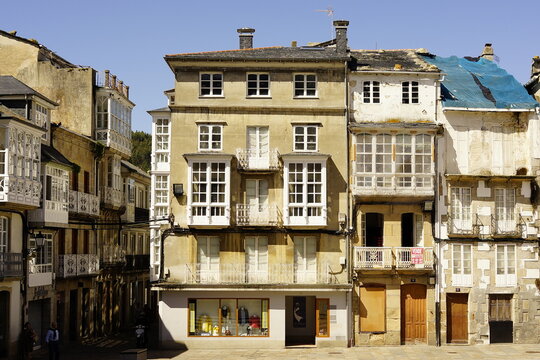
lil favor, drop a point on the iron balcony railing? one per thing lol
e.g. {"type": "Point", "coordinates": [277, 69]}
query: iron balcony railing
{"type": "Point", "coordinates": [269, 274]}
{"type": "Point", "coordinates": [466, 224]}
{"type": "Point", "coordinates": [77, 265]}
{"type": "Point", "coordinates": [388, 258]}
{"type": "Point", "coordinates": [256, 215]}
{"type": "Point", "coordinates": [508, 227]}
{"type": "Point", "coordinates": [11, 264]}
{"type": "Point", "coordinates": [253, 159]}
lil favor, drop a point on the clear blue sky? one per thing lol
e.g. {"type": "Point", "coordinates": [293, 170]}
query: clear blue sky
{"type": "Point", "coordinates": [130, 38]}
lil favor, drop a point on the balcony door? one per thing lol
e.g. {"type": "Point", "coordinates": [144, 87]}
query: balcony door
{"type": "Point", "coordinates": [505, 204]}
{"type": "Point", "coordinates": [461, 210]}
{"type": "Point", "coordinates": [208, 259]}
{"type": "Point", "coordinates": [258, 147]}
{"type": "Point", "coordinates": [257, 200]}
{"type": "Point", "coordinates": [305, 259]}
{"type": "Point", "coordinates": [256, 248]}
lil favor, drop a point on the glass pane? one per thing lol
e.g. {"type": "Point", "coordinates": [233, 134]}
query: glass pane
{"type": "Point", "coordinates": [249, 317]}
{"type": "Point", "coordinates": [322, 317]}
{"type": "Point", "coordinates": [227, 313]}
{"type": "Point", "coordinates": [207, 317]}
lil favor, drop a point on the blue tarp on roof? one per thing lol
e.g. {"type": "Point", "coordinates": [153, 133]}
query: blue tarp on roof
{"type": "Point", "coordinates": [479, 84]}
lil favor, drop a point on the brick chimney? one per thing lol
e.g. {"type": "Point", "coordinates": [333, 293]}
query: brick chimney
{"type": "Point", "coordinates": [487, 53]}
{"type": "Point", "coordinates": [246, 37]}
{"type": "Point", "coordinates": [535, 70]}
{"type": "Point", "coordinates": [341, 36]}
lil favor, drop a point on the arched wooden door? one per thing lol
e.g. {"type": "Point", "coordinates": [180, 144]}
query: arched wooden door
{"type": "Point", "coordinates": [413, 313]}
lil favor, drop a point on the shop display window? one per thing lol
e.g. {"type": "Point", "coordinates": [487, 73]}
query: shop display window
{"type": "Point", "coordinates": [228, 317]}
{"type": "Point", "coordinates": [322, 310]}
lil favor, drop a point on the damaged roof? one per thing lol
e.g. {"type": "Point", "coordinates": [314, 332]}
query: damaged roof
{"type": "Point", "coordinates": [11, 86]}
{"type": "Point", "coordinates": [391, 60]}
{"type": "Point", "coordinates": [276, 53]}
{"type": "Point", "coordinates": [478, 83]}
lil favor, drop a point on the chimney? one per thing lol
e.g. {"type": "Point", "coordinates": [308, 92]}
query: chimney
{"type": "Point", "coordinates": [341, 36]}
{"type": "Point", "coordinates": [487, 53]}
{"type": "Point", "coordinates": [535, 70]}
{"type": "Point", "coordinates": [246, 37]}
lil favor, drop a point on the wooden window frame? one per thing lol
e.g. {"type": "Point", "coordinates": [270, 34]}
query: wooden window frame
{"type": "Point", "coordinates": [317, 301]}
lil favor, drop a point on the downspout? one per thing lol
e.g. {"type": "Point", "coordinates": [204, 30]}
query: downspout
{"type": "Point", "coordinates": [349, 217]}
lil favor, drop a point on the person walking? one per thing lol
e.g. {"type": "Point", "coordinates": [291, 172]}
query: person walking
{"type": "Point", "coordinates": [53, 341]}
{"type": "Point", "coordinates": [28, 338]}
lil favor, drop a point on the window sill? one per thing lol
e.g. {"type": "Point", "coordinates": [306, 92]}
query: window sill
{"type": "Point", "coordinates": [211, 96]}
{"type": "Point", "coordinates": [305, 97]}
{"type": "Point", "coordinates": [258, 97]}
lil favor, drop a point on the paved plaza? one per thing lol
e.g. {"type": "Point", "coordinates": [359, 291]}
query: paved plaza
{"type": "Point", "coordinates": [110, 349]}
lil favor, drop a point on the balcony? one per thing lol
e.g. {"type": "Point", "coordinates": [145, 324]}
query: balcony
{"type": "Point", "coordinates": [111, 197]}
{"type": "Point", "coordinates": [514, 228]}
{"type": "Point", "coordinates": [14, 189]}
{"type": "Point", "coordinates": [142, 214]}
{"type": "Point", "coordinates": [465, 225]}
{"type": "Point", "coordinates": [393, 185]}
{"type": "Point", "coordinates": [11, 265]}
{"type": "Point", "coordinates": [39, 274]}
{"type": "Point", "coordinates": [52, 212]}
{"type": "Point", "coordinates": [77, 265]}
{"type": "Point", "coordinates": [208, 215]}
{"type": "Point", "coordinates": [237, 274]}
{"type": "Point", "coordinates": [114, 140]}
{"type": "Point", "coordinates": [138, 262]}
{"type": "Point", "coordinates": [388, 258]}
{"type": "Point", "coordinates": [256, 215]}
{"type": "Point", "coordinates": [83, 204]}
{"type": "Point", "coordinates": [113, 255]}
{"type": "Point", "coordinates": [255, 160]}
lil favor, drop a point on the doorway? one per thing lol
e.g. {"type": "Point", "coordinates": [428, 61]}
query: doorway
{"type": "Point", "coordinates": [457, 311]}
{"type": "Point", "coordinates": [374, 229]}
{"type": "Point", "coordinates": [413, 313]}
{"type": "Point", "coordinates": [73, 315]}
{"type": "Point", "coordinates": [501, 326]}
{"type": "Point", "coordinates": [300, 324]}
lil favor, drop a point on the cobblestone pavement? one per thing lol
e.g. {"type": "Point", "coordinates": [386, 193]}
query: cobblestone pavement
{"type": "Point", "coordinates": [108, 349]}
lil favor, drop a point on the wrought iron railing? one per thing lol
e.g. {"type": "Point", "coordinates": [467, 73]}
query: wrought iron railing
{"type": "Point", "coordinates": [77, 265]}
{"type": "Point", "coordinates": [252, 159]}
{"type": "Point", "coordinates": [256, 215]}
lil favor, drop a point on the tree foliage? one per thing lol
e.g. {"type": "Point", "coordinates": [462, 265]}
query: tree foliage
{"type": "Point", "coordinates": [141, 149]}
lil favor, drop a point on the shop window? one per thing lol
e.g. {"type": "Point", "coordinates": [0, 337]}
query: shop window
{"type": "Point", "coordinates": [500, 307]}
{"type": "Point", "coordinates": [373, 308]}
{"type": "Point", "coordinates": [322, 310]}
{"type": "Point", "coordinates": [228, 317]}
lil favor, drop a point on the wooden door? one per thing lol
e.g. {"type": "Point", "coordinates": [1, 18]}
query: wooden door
{"type": "Point", "coordinates": [413, 313]}
{"type": "Point", "coordinates": [457, 318]}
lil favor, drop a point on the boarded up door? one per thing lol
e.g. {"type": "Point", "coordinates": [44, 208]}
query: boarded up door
{"type": "Point", "coordinates": [457, 323]}
{"type": "Point", "coordinates": [413, 313]}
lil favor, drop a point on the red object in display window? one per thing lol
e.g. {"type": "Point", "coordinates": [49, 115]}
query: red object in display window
{"type": "Point", "coordinates": [255, 322]}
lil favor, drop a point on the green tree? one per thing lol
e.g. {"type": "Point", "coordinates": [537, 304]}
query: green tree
{"type": "Point", "coordinates": [141, 149]}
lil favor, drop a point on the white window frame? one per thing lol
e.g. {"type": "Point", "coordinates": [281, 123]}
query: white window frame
{"type": "Point", "coordinates": [208, 271]}
{"type": "Point", "coordinates": [461, 277]}
{"type": "Point", "coordinates": [213, 138]}
{"type": "Point", "coordinates": [410, 92]}
{"type": "Point", "coordinates": [505, 275]}
{"type": "Point", "coordinates": [258, 272]}
{"type": "Point", "coordinates": [301, 85]}
{"type": "Point", "coordinates": [301, 212]}
{"type": "Point", "coordinates": [161, 195]}
{"type": "Point", "coordinates": [201, 212]}
{"type": "Point", "coordinates": [162, 138]}
{"type": "Point", "coordinates": [258, 88]}
{"type": "Point", "coordinates": [4, 234]}
{"type": "Point", "coordinates": [461, 209]}
{"type": "Point", "coordinates": [42, 263]}
{"type": "Point", "coordinates": [56, 188]}
{"type": "Point", "coordinates": [212, 84]}
{"type": "Point", "coordinates": [305, 271]}
{"type": "Point", "coordinates": [371, 92]}
{"type": "Point", "coordinates": [505, 210]}
{"type": "Point", "coordinates": [303, 140]}
{"type": "Point", "coordinates": [383, 161]}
